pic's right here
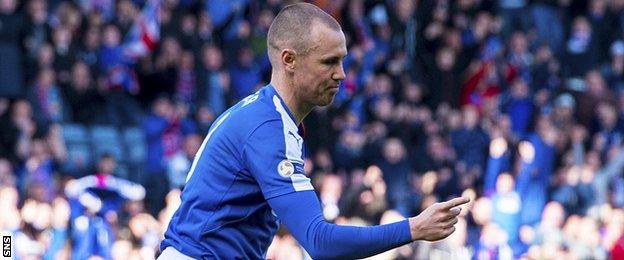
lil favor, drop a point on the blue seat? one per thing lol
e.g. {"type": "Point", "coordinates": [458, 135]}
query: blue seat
{"type": "Point", "coordinates": [133, 135]}
{"type": "Point", "coordinates": [113, 148]}
{"type": "Point", "coordinates": [122, 171]}
{"type": "Point", "coordinates": [134, 140]}
{"type": "Point", "coordinates": [136, 154]}
{"type": "Point", "coordinates": [135, 172]}
{"type": "Point", "coordinates": [106, 139]}
{"type": "Point", "coordinates": [79, 160]}
{"type": "Point", "coordinates": [104, 133]}
{"type": "Point", "coordinates": [74, 134]}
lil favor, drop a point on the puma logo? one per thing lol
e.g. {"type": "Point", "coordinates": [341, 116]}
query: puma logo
{"type": "Point", "coordinates": [298, 139]}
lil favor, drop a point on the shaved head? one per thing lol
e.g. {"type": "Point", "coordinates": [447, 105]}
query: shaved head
{"type": "Point", "coordinates": [306, 47]}
{"type": "Point", "coordinates": [292, 27]}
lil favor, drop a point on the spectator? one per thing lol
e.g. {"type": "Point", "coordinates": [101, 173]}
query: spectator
{"type": "Point", "coordinates": [563, 111]}
{"type": "Point", "coordinates": [188, 36]}
{"type": "Point", "coordinates": [37, 177]}
{"type": "Point", "coordinates": [349, 150]}
{"type": "Point", "coordinates": [506, 213]}
{"type": "Point", "coordinates": [576, 194]}
{"type": "Point", "coordinates": [7, 177]}
{"type": "Point", "coordinates": [165, 129]}
{"type": "Point", "coordinates": [204, 118]}
{"type": "Point", "coordinates": [11, 33]}
{"type": "Point", "coordinates": [10, 220]}
{"type": "Point", "coordinates": [444, 73]}
{"type": "Point", "coordinates": [396, 173]}
{"type": "Point", "coordinates": [600, 20]}
{"type": "Point", "coordinates": [119, 81]}
{"type": "Point", "coordinates": [18, 130]}
{"type": "Point", "coordinates": [331, 191]}
{"type": "Point", "coordinates": [483, 84]}
{"type": "Point", "coordinates": [95, 201]}
{"type": "Point", "coordinates": [470, 141]}
{"type": "Point", "coordinates": [89, 48]}
{"type": "Point", "coordinates": [537, 155]}
{"type": "Point", "coordinates": [512, 13]}
{"type": "Point", "coordinates": [38, 27]}
{"type": "Point", "coordinates": [46, 96]}
{"type": "Point", "coordinates": [545, 95]}
{"type": "Point", "coordinates": [616, 244]}
{"type": "Point", "coordinates": [363, 203]}
{"type": "Point", "coordinates": [245, 73]}
{"type": "Point", "coordinates": [214, 82]}
{"type": "Point", "coordinates": [85, 102]}
{"type": "Point", "coordinates": [166, 65]}
{"type": "Point", "coordinates": [581, 52]}
{"type": "Point", "coordinates": [403, 24]}
{"type": "Point", "coordinates": [44, 59]}
{"type": "Point", "coordinates": [519, 107]}
{"type": "Point", "coordinates": [545, 72]}
{"type": "Point", "coordinates": [180, 163]}
{"type": "Point", "coordinates": [604, 192]}
{"type": "Point", "coordinates": [549, 22]}
{"type": "Point", "coordinates": [588, 99]}
{"type": "Point", "coordinates": [547, 236]}
{"type": "Point", "coordinates": [64, 53]}
{"type": "Point", "coordinates": [186, 85]}
{"type": "Point", "coordinates": [498, 162]}
{"type": "Point", "coordinates": [146, 231]}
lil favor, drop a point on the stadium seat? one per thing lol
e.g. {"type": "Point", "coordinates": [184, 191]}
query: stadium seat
{"type": "Point", "coordinates": [122, 171]}
{"type": "Point", "coordinates": [79, 160]}
{"type": "Point", "coordinates": [74, 134]}
{"type": "Point", "coordinates": [133, 135]}
{"type": "Point", "coordinates": [136, 154]}
{"type": "Point", "coordinates": [114, 148]}
{"type": "Point", "coordinates": [134, 140]}
{"type": "Point", "coordinates": [104, 133]}
{"type": "Point", "coordinates": [135, 172]}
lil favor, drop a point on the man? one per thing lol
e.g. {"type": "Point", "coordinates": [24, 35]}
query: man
{"type": "Point", "coordinates": [248, 172]}
{"type": "Point", "coordinates": [94, 200]}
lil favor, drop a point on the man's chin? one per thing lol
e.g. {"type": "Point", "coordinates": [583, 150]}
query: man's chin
{"type": "Point", "coordinates": [326, 102]}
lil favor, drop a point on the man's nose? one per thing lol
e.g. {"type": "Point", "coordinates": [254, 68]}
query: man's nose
{"type": "Point", "coordinates": [339, 74]}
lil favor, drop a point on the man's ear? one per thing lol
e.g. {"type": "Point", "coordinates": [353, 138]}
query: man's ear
{"type": "Point", "coordinates": [288, 59]}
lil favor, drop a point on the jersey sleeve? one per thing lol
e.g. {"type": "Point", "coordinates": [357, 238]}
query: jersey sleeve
{"type": "Point", "coordinates": [301, 213]}
{"type": "Point", "coordinates": [273, 156]}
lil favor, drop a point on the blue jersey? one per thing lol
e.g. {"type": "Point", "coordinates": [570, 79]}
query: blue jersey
{"type": "Point", "coordinates": [252, 153]}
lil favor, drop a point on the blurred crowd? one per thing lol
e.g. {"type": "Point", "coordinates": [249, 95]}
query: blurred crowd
{"type": "Point", "coordinates": [518, 104]}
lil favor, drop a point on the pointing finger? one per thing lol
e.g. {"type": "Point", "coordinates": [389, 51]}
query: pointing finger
{"type": "Point", "coordinates": [455, 202]}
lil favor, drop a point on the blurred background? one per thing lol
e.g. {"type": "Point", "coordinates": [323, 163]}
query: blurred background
{"type": "Point", "coordinates": [515, 103]}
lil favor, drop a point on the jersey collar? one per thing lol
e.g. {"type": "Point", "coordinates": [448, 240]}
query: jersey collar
{"type": "Point", "coordinates": [274, 91]}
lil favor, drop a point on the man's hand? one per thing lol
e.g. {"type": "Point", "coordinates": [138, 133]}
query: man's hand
{"type": "Point", "coordinates": [437, 221]}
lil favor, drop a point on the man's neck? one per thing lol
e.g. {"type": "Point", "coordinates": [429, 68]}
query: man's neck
{"type": "Point", "coordinates": [287, 92]}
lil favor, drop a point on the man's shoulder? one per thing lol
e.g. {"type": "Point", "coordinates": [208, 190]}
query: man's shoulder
{"type": "Point", "coordinates": [253, 111]}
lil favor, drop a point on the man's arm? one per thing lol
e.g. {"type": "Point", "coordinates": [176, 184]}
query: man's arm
{"type": "Point", "coordinates": [301, 213]}
{"type": "Point", "coordinates": [125, 188]}
{"type": "Point", "coordinates": [274, 160]}
{"type": "Point", "coordinates": [74, 188]}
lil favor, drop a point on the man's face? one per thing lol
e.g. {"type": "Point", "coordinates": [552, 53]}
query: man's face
{"type": "Point", "coordinates": [319, 72]}
{"type": "Point", "coordinates": [163, 108]}
{"type": "Point", "coordinates": [81, 76]}
{"type": "Point", "coordinates": [107, 165]}
{"type": "Point", "coordinates": [212, 57]}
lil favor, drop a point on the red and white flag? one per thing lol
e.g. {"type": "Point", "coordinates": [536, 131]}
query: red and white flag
{"type": "Point", "coordinates": [144, 35]}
